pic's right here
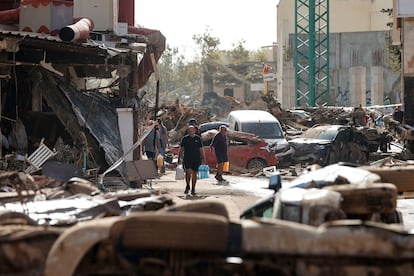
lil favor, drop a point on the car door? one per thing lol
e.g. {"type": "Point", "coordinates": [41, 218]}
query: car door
{"type": "Point", "coordinates": [239, 152]}
{"type": "Point", "coordinates": [209, 154]}
{"type": "Point", "coordinates": [342, 139]}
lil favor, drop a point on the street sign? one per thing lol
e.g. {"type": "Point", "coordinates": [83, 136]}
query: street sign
{"type": "Point", "coordinates": [269, 77]}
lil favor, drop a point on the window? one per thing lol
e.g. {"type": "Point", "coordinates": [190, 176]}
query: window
{"type": "Point", "coordinates": [228, 92]}
{"type": "Point", "coordinates": [264, 130]}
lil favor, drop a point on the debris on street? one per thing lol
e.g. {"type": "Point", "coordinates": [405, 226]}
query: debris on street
{"type": "Point", "coordinates": [77, 194]}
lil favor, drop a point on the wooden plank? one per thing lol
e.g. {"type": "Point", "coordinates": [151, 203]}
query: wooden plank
{"type": "Point", "coordinates": [401, 176]}
{"type": "Point", "coordinates": [369, 198]}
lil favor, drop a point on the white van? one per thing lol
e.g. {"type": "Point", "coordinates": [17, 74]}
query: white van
{"type": "Point", "coordinates": [264, 125]}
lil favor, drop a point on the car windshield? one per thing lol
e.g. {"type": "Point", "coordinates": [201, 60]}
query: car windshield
{"type": "Point", "coordinates": [321, 133]}
{"type": "Point", "coordinates": [264, 130]}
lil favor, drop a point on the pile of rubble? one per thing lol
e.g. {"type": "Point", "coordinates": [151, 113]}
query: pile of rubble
{"type": "Point", "coordinates": [380, 134]}
{"type": "Point", "coordinates": [44, 218]}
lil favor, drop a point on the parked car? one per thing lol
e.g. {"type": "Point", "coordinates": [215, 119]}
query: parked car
{"type": "Point", "coordinates": [264, 125]}
{"type": "Point", "coordinates": [328, 144]}
{"type": "Point", "coordinates": [245, 150]}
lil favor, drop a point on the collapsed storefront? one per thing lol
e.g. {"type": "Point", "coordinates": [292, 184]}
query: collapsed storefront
{"type": "Point", "coordinates": [46, 92]}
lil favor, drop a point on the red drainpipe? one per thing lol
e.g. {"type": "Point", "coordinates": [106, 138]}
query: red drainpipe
{"type": "Point", "coordinates": [126, 12]}
{"type": "Point", "coordinates": [9, 16]}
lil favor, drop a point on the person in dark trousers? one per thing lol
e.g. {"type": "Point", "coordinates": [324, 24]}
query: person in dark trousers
{"type": "Point", "coordinates": [163, 131]}
{"type": "Point", "coordinates": [151, 143]}
{"type": "Point", "coordinates": [192, 155]}
{"type": "Point", "coordinates": [219, 143]}
{"type": "Point", "coordinates": [398, 114]}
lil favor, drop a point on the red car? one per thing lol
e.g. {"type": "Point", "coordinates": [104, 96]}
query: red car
{"type": "Point", "coordinates": [245, 150]}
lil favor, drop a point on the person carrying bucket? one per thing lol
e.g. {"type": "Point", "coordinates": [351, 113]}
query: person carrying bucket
{"type": "Point", "coordinates": [219, 143]}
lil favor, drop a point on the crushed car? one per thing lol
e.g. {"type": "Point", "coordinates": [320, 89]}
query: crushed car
{"type": "Point", "coordinates": [328, 144]}
{"type": "Point", "coordinates": [266, 126]}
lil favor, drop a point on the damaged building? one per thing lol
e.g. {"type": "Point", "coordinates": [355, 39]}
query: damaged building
{"type": "Point", "coordinates": [67, 74]}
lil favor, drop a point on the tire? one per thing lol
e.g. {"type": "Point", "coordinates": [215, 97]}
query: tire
{"type": "Point", "coordinates": [373, 147]}
{"type": "Point", "coordinates": [331, 159]}
{"type": "Point", "coordinates": [394, 217]}
{"type": "Point", "coordinates": [256, 163]}
{"type": "Point", "coordinates": [364, 157]}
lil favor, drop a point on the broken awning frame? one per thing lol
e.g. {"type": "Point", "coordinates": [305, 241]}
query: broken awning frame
{"type": "Point", "coordinates": [122, 158]}
{"type": "Point", "coordinates": [34, 48]}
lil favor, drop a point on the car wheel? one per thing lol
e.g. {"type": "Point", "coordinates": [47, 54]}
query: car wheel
{"type": "Point", "coordinates": [331, 158]}
{"type": "Point", "coordinates": [364, 156]}
{"type": "Point", "coordinates": [256, 163]}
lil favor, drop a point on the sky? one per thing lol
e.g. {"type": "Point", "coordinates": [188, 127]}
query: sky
{"type": "Point", "coordinates": [229, 20]}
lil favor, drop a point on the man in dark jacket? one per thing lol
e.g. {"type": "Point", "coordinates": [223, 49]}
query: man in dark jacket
{"type": "Point", "coordinates": [219, 143]}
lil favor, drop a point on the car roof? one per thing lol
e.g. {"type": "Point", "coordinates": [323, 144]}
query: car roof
{"type": "Point", "coordinates": [250, 115]}
{"type": "Point", "coordinates": [211, 125]}
{"type": "Point", "coordinates": [214, 123]}
{"type": "Point", "coordinates": [328, 126]}
{"type": "Point", "coordinates": [236, 135]}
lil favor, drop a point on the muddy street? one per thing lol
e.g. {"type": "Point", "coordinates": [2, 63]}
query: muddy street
{"type": "Point", "coordinates": [238, 194]}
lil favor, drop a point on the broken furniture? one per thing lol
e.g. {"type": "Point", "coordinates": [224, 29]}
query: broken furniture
{"type": "Point", "coordinates": [39, 157]}
{"type": "Point", "coordinates": [141, 170]}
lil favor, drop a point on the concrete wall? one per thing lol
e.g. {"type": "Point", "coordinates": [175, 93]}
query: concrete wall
{"type": "Point", "coordinates": [358, 35]}
{"type": "Point", "coordinates": [347, 51]}
{"type": "Point", "coordinates": [357, 86]}
{"type": "Point", "coordinates": [377, 85]}
{"type": "Point", "coordinates": [366, 49]}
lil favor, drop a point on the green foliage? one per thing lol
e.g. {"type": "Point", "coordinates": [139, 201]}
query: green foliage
{"type": "Point", "coordinates": [238, 54]}
{"type": "Point", "coordinates": [208, 45]}
{"type": "Point", "coordinates": [176, 76]}
{"type": "Point", "coordinates": [394, 55]}
{"type": "Point", "coordinates": [389, 13]}
{"type": "Point", "coordinates": [393, 51]}
{"type": "Point", "coordinates": [262, 55]}
{"type": "Point", "coordinates": [179, 76]}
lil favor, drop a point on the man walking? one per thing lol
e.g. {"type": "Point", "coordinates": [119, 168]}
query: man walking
{"type": "Point", "coordinates": [219, 143]}
{"type": "Point", "coordinates": [163, 131]}
{"type": "Point", "coordinates": [151, 143]}
{"type": "Point", "coordinates": [192, 156]}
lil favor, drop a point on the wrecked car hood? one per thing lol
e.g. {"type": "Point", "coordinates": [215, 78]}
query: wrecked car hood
{"type": "Point", "coordinates": [298, 141]}
{"type": "Point", "coordinates": [333, 174]}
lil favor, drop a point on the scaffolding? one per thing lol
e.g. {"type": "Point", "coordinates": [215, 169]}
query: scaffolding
{"type": "Point", "coordinates": [311, 53]}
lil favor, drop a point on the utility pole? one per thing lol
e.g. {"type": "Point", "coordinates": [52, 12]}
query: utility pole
{"type": "Point", "coordinates": [311, 56]}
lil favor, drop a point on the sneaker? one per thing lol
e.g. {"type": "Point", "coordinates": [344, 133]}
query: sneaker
{"type": "Point", "coordinates": [193, 192]}
{"type": "Point", "coordinates": [217, 176]}
{"type": "Point", "coordinates": [187, 189]}
{"type": "Point", "coordinates": [224, 182]}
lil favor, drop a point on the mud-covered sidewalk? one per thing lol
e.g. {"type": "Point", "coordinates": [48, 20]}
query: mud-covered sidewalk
{"type": "Point", "coordinates": [238, 194]}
